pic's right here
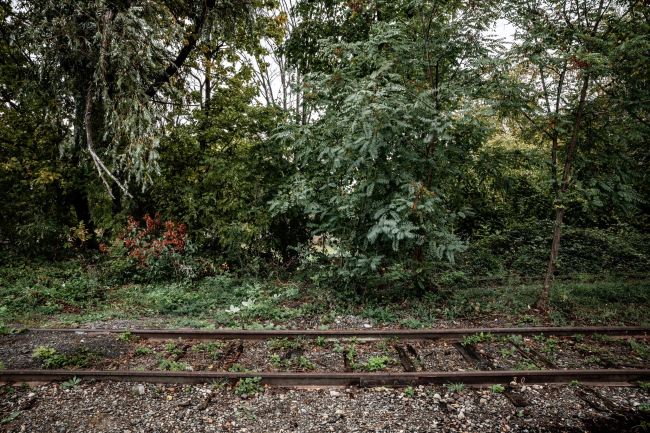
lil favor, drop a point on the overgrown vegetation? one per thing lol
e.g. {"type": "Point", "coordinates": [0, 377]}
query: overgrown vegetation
{"type": "Point", "coordinates": [248, 385]}
{"type": "Point", "coordinates": [377, 363]}
{"type": "Point", "coordinates": [391, 160]}
{"type": "Point", "coordinates": [82, 357]}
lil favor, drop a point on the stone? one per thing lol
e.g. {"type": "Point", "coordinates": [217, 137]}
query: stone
{"type": "Point", "coordinates": [334, 393]}
{"type": "Point", "coordinates": [437, 396]}
{"type": "Point", "coordinates": [483, 401]}
{"type": "Point", "coordinates": [138, 390]}
{"type": "Point", "coordinates": [461, 415]}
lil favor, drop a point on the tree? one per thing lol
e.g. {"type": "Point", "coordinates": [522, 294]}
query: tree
{"type": "Point", "coordinates": [105, 63]}
{"type": "Point", "coordinates": [217, 170]}
{"type": "Point", "coordinates": [400, 113]}
{"type": "Point", "coordinates": [38, 186]}
{"type": "Point", "coordinates": [107, 70]}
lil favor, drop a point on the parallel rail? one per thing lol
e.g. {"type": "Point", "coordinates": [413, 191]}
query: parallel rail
{"type": "Point", "coordinates": [469, 378]}
{"type": "Point", "coordinates": [370, 334]}
{"type": "Point", "coordinates": [603, 377]}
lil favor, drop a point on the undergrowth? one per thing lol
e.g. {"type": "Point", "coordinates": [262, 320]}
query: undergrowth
{"type": "Point", "coordinates": [499, 277]}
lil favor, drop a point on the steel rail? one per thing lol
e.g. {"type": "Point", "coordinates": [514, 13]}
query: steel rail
{"type": "Point", "coordinates": [469, 378]}
{"type": "Point", "coordinates": [364, 334]}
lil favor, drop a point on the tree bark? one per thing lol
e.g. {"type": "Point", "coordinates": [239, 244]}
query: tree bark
{"type": "Point", "coordinates": [184, 53]}
{"type": "Point", "coordinates": [555, 249]}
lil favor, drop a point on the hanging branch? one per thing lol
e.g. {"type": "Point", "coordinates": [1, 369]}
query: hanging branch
{"type": "Point", "coordinates": [89, 141]}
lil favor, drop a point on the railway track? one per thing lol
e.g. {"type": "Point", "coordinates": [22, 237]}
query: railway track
{"type": "Point", "coordinates": [615, 356]}
{"type": "Point", "coordinates": [405, 334]}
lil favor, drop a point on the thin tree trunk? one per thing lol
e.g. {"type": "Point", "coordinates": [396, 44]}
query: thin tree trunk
{"type": "Point", "coordinates": [208, 88]}
{"type": "Point", "coordinates": [555, 249]}
{"type": "Point", "coordinates": [203, 144]}
{"type": "Point", "coordinates": [559, 216]}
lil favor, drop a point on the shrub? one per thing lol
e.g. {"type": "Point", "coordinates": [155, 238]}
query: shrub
{"type": "Point", "coordinates": [156, 250]}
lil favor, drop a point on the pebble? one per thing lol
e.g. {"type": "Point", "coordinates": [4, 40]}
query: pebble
{"type": "Point", "coordinates": [280, 409]}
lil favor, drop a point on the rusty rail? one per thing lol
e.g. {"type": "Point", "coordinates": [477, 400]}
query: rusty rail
{"type": "Point", "coordinates": [469, 378]}
{"type": "Point", "coordinates": [371, 334]}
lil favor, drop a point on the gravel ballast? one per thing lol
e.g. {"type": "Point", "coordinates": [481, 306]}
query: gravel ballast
{"type": "Point", "coordinates": [128, 407]}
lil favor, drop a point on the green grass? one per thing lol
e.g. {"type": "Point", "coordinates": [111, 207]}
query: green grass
{"type": "Point", "coordinates": [65, 294]}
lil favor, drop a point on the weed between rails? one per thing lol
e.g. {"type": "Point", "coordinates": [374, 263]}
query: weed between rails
{"type": "Point", "coordinates": [82, 357]}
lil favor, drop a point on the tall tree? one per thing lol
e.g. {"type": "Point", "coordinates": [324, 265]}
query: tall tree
{"type": "Point", "coordinates": [562, 51]}
{"type": "Point", "coordinates": [39, 187]}
{"type": "Point", "coordinates": [106, 62]}
{"type": "Point", "coordinates": [399, 115]}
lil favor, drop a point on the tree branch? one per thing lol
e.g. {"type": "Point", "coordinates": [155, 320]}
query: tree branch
{"type": "Point", "coordinates": [192, 39]}
{"type": "Point", "coordinates": [89, 142]}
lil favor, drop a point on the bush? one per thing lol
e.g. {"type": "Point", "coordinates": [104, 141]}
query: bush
{"type": "Point", "coordinates": [525, 250]}
{"type": "Point", "coordinates": [151, 253]}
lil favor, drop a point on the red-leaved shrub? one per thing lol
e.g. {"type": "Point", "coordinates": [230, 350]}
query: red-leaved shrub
{"type": "Point", "coordinates": [145, 243]}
